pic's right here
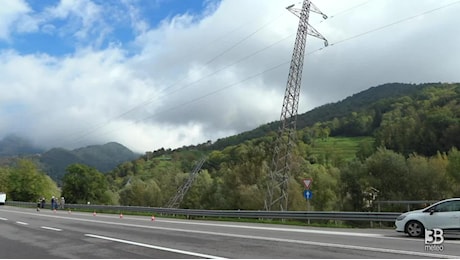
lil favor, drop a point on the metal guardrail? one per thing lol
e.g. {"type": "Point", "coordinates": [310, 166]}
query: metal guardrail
{"type": "Point", "coordinates": [294, 215]}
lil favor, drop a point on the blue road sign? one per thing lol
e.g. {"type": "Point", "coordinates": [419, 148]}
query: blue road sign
{"type": "Point", "coordinates": [307, 194]}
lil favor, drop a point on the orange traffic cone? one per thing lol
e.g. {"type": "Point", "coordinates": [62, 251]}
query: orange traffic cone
{"type": "Point", "coordinates": [121, 215]}
{"type": "Point", "coordinates": [153, 218]}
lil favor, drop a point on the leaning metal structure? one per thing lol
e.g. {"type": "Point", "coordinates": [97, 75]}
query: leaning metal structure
{"type": "Point", "coordinates": [175, 201]}
{"type": "Point", "coordinates": [277, 191]}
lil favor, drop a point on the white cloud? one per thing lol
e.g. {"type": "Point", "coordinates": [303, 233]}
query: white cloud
{"type": "Point", "coordinates": [192, 79]}
{"type": "Point", "coordinates": [12, 17]}
{"type": "Point", "coordinates": [84, 20]}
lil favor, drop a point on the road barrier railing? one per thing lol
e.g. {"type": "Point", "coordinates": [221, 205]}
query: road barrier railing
{"type": "Point", "coordinates": [256, 214]}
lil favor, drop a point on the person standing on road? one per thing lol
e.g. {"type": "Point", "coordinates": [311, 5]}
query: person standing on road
{"type": "Point", "coordinates": [62, 203]}
{"type": "Point", "coordinates": [43, 203]}
{"type": "Point", "coordinates": [53, 201]}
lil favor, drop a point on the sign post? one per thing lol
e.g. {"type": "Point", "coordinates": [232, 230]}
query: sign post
{"type": "Point", "coordinates": [307, 193]}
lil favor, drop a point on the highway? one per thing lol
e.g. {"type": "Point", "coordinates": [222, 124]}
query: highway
{"type": "Point", "coordinates": [26, 233]}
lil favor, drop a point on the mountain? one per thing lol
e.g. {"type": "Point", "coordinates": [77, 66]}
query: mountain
{"type": "Point", "coordinates": [363, 100]}
{"type": "Point", "coordinates": [385, 138]}
{"type": "Point", "coordinates": [12, 145]}
{"type": "Point", "coordinates": [55, 161]}
{"type": "Point", "coordinates": [102, 157]}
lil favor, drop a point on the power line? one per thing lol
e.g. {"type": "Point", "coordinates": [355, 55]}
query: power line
{"type": "Point", "coordinates": [169, 87]}
{"type": "Point", "coordinates": [394, 23]}
{"type": "Point", "coordinates": [199, 98]}
{"type": "Point", "coordinates": [271, 68]}
{"type": "Point", "coordinates": [345, 11]}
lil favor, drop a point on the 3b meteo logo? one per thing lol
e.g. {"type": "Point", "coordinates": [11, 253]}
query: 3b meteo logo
{"type": "Point", "coordinates": [434, 239]}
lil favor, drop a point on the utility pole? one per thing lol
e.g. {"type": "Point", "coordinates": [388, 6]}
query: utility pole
{"type": "Point", "coordinates": [175, 201]}
{"type": "Point", "coordinates": [277, 192]}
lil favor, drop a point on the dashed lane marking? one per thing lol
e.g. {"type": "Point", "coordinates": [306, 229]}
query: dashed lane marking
{"type": "Point", "coordinates": [51, 228]}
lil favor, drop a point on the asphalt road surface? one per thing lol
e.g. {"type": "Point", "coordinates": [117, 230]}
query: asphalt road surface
{"type": "Point", "coordinates": [26, 233]}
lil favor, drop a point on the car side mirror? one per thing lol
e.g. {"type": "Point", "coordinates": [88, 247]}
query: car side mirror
{"type": "Point", "coordinates": [432, 210]}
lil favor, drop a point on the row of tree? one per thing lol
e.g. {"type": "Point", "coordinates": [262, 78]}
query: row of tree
{"type": "Point", "coordinates": [414, 157]}
{"type": "Point", "coordinates": [25, 181]}
{"type": "Point", "coordinates": [236, 178]}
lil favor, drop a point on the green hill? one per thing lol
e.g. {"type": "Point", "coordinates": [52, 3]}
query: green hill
{"type": "Point", "coordinates": [378, 97]}
{"type": "Point", "coordinates": [102, 157]}
{"type": "Point", "coordinates": [399, 134]}
{"type": "Point", "coordinates": [384, 112]}
{"type": "Point", "coordinates": [400, 141]}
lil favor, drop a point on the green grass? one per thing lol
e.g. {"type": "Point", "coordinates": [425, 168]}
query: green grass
{"type": "Point", "coordinates": [338, 147]}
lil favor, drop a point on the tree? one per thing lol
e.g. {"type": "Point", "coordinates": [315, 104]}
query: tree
{"type": "Point", "coordinates": [325, 187]}
{"type": "Point", "coordinates": [194, 197]}
{"type": "Point", "coordinates": [4, 175]}
{"type": "Point", "coordinates": [353, 183]}
{"type": "Point", "coordinates": [429, 177]}
{"type": "Point", "coordinates": [26, 183]}
{"type": "Point", "coordinates": [453, 169]}
{"type": "Point", "coordinates": [83, 184]}
{"type": "Point", "coordinates": [388, 173]}
{"type": "Point", "coordinates": [140, 193]}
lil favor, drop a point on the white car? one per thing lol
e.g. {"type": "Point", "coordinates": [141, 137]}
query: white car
{"type": "Point", "coordinates": [444, 214]}
{"type": "Point", "coordinates": [2, 198]}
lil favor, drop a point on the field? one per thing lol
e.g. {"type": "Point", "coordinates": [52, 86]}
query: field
{"type": "Point", "coordinates": [339, 148]}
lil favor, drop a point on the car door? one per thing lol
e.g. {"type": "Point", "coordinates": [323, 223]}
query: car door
{"type": "Point", "coordinates": [445, 216]}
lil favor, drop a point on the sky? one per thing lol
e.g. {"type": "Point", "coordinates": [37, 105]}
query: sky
{"type": "Point", "coordinates": [153, 74]}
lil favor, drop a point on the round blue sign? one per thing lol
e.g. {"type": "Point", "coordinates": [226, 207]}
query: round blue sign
{"type": "Point", "coordinates": [307, 194]}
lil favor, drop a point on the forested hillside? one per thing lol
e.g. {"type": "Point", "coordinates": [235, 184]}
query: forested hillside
{"type": "Point", "coordinates": [398, 140]}
{"type": "Point", "coordinates": [349, 117]}
{"type": "Point", "coordinates": [102, 157]}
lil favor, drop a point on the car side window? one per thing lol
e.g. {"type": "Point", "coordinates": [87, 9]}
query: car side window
{"type": "Point", "coordinates": [456, 206]}
{"type": "Point", "coordinates": [448, 206]}
{"type": "Point", "coordinates": [442, 207]}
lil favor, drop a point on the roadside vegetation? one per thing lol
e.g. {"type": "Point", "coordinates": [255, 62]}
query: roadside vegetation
{"type": "Point", "coordinates": [402, 146]}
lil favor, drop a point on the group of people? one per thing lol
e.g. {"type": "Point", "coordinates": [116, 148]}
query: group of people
{"type": "Point", "coordinates": [55, 203]}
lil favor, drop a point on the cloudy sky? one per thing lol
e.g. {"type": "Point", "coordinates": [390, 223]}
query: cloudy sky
{"type": "Point", "coordinates": [167, 73]}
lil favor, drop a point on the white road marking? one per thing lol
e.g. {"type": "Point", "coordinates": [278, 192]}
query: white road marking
{"type": "Point", "coordinates": [51, 228]}
{"type": "Point", "coordinates": [22, 223]}
{"type": "Point", "coordinates": [155, 247]}
{"type": "Point", "coordinates": [3, 219]}
{"type": "Point", "coordinates": [353, 247]}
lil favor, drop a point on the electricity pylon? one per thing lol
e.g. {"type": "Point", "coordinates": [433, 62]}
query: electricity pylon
{"type": "Point", "coordinates": [277, 192]}
{"type": "Point", "coordinates": [175, 201]}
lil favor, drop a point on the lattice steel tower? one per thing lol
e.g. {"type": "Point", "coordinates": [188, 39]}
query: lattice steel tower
{"type": "Point", "coordinates": [277, 192]}
{"type": "Point", "coordinates": [175, 201]}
